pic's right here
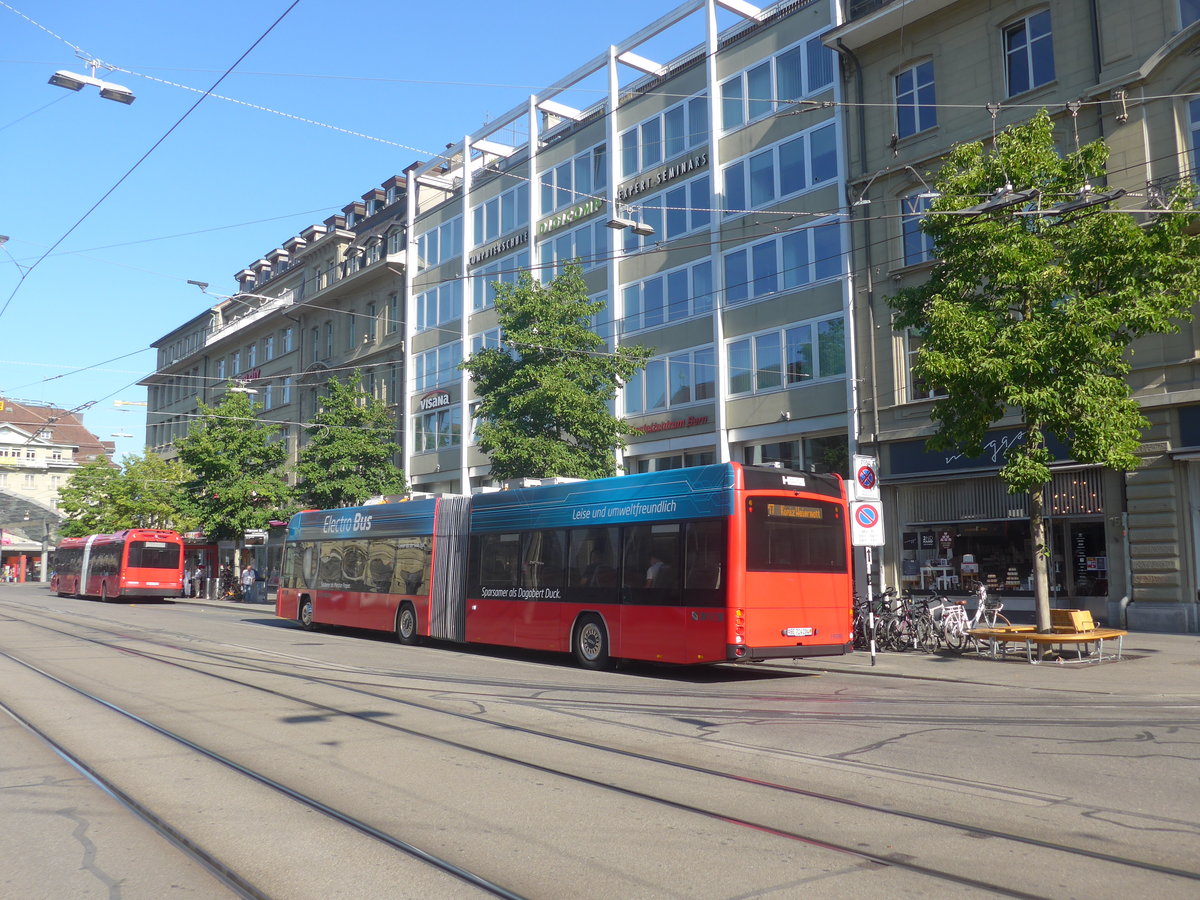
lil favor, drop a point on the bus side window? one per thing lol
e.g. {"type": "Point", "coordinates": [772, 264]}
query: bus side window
{"type": "Point", "coordinates": [704, 555]}
{"type": "Point", "coordinates": [651, 559]}
{"type": "Point", "coordinates": [594, 560]}
{"type": "Point", "coordinates": [543, 558]}
{"type": "Point", "coordinates": [497, 559]}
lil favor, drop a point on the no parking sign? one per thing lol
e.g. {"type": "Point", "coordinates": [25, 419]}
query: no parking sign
{"type": "Point", "coordinates": [866, 523]}
{"type": "Point", "coordinates": [866, 478]}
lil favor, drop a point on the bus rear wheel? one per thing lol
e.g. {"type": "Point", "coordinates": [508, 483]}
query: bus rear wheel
{"type": "Point", "coordinates": [591, 643]}
{"type": "Point", "coordinates": [305, 616]}
{"type": "Point", "coordinates": [406, 625]}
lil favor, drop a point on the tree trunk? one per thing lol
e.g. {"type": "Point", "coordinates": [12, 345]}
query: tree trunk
{"type": "Point", "coordinates": [1041, 581]}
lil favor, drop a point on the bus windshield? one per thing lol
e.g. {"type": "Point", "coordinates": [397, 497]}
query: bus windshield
{"type": "Point", "coordinates": [153, 555]}
{"type": "Point", "coordinates": [784, 534]}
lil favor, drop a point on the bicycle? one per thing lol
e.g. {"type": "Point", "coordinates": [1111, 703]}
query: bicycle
{"type": "Point", "coordinates": [956, 625]}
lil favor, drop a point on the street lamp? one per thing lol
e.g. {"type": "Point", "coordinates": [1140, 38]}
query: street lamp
{"type": "Point", "coordinates": [73, 81]}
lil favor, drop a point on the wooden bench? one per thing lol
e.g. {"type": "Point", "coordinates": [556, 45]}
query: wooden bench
{"type": "Point", "coordinates": [1070, 626]}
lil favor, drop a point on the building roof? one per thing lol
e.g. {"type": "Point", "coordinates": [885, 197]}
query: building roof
{"type": "Point", "coordinates": [51, 425]}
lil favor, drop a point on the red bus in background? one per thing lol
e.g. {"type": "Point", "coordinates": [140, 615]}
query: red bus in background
{"type": "Point", "coordinates": [140, 562]}
{"type": "Point", "coordinates": [720, 563]}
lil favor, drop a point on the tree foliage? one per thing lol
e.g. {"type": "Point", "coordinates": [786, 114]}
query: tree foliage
{"type": "Point", "coordinates": [85, 499]}
{"type": "Point", "coordinates": [545, 395]}
{"type": "Point", "coordinates": [234, 460]}
{"type": "Point", "coordinates": [350, 449]}
{"type": "Point", "coordinates": [143, 492]}
{"type": "Point", "coordinates": [1031, 313]}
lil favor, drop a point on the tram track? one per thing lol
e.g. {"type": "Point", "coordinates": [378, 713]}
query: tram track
{"type": "Point", "coordinates": [813, 839]}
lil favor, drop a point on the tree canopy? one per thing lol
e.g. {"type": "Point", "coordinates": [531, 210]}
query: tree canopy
{"type": "Point", "coordinates": [234, 460]}
{"type": "Point", "coordinates": [545, 394]}
{"type": "Point", "coordinates": [350, 449]}
{"type": "Point", "coordinates": [143, 492]}
{"type": "Point", "coordinates": [1030, 311]}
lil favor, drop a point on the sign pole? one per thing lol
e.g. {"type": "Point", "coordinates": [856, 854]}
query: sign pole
{"type": "Point", "coordinates": [870, 605]}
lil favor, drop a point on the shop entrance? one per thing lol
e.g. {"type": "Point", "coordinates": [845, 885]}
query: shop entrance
{"type": "Point", "coordinates": [1080, 561]}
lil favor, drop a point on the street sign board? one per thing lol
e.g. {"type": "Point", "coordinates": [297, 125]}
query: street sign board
{"type": "Point", "coordinates": [866, 478]}
{"type": "Point", "coordinates": [866, 523]}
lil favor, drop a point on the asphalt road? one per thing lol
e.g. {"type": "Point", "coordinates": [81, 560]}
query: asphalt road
{"type": "Point", "coordinates": [276, 762]}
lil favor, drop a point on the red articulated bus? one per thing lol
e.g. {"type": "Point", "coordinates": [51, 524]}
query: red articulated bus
{"type": "Point", "coordinates": [721, 563]}
{"type": "Point", "coordinates": [140, 562]}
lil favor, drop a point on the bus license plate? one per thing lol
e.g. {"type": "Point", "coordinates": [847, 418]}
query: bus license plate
{"type": "Point", "coordinates": [797, 632]}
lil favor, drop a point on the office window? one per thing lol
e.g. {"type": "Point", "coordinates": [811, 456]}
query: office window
{"type": "Point", "coordinates": [372, 318]}
{"type": "Point", "coordinates": [329, 340]}
{"type": "Point", "coordinates": [1194, 132]}
{"type": "Point", "coordinates": [588, 244]}
{"type": "Point", "coordinates": [918, 246]}
{"type": "Point", "coordinates": [915, 388]}
{"type": "Point", "coordinates": [268, 394]}
{"type": "Point", "coordinates": [314, 344]}
{"type": "Point", "coordinates": [806, 255]}
{"type": "Point", "coordinates": [574, 181]}
{"type": "Point", "coordinates": [235, 364]}
{"type": "Point", "coordinates": [351, 330]}
{"type": "Point", "coordinates": [664, 136]}
{"type": "Point", "coordinates": [506, 270]}
{"type": "Point", "coordinates": [1029, 53]}
{"type": "Point", "coordinates": [287, 389]}
{"type": "Point", "coordinates": [669, 381]}
{"type": "Point", "coordinates": [268, 348]}
{"type": "Point", "coordinates": [440, 244]}
{"type": "Point", "coordinates": [435, 430]}
{"type": "Point", "coordinates": [787, 357]}
{"type": "Point", "coordinates": [681, 210]}
{"type": "Point", "coordinates": [485, 340]}
{"type": "Point", "coordinates": [797, 164]}
{"type": "Point", "coordinates": [785, 78]}
{"type": "Point", "coordinates": [915, 100]}
{"type": "Point", "coordinates": [440, 305]}
{"type": "Point", "coordinates": [220, 369]}
{"type": "Point", "coordinates": [438, 366]}
{"type": "Point", "coordinates": [501, 214]}
{"type": "Point", "coordinates": [668, 297]}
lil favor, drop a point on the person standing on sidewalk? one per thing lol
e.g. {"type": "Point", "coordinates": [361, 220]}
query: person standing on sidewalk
{"type": "Point", "coordinates": [248, 584]}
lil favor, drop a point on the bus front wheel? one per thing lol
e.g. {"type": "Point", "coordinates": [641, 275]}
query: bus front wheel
{"type": "Point", "coordinates": [591, 643]}
{"type": "Point", "coordinates": [306, 615]}
{"type": "Point", "coordinates": [406, 624]}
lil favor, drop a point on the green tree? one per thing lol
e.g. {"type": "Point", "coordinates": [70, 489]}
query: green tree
{"type": "Point", "coordinates": [545, 395]}
{"type": "Point", "coordinates": [350, 449]}
{"type": "Point", "coordinates": [1030, 313]}
{"type": "Point", "coordinates": [86, 500]}
{"type": "Point", "coordinates": [234, 460]}
{"type": "Point", "coordinates": [152, 493]}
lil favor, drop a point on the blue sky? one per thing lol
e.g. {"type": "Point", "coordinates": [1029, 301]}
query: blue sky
{"type": "Point", "coordinates": [233, 181]}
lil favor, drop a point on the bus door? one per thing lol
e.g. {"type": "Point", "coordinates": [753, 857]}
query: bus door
{"type": "Point", "coordinates": [652, 618]}
{"type": "Point", "coordinates": [539, 610]}
{"type": "Point", "coordinates": [705, 590]}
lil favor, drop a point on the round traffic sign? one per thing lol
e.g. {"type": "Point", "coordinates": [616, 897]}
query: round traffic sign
{"type": "Point", "coordinates": [866, 477]}
{"type": "Point", "coordinates": [867, 516]}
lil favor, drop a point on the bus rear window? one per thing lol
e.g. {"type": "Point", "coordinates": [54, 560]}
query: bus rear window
{"type": "Point", "coordinates": [789, 535]}
{"type": "Point", "coordinates": [153, 555]}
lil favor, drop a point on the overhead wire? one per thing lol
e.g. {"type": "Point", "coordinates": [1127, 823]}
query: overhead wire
{"type": "Point", "coordinates": [143, 157]}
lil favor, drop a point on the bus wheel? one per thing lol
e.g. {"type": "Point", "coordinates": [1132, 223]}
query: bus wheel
{"type": "Point", "coordinates": [406, 624]}
{"type": "Point", "coordinates": [591, 643]}
{"type": "Point", "coordinates": [306, 615]}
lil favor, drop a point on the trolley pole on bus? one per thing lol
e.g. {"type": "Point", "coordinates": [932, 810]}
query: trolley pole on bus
{"type": "Point", "coordinates": [866, 525]}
